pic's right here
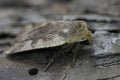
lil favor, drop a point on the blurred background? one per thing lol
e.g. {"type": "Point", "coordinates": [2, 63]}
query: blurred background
{"type": "Point", "coordinates": [16, 13]}
{"type": "Point", "coordinates": [102, 16]}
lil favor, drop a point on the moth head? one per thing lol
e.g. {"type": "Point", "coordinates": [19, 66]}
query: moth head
{"type": "Point", "coordinates": [86, 34]}
{"type": "Point", "coordinates": [80, 33]}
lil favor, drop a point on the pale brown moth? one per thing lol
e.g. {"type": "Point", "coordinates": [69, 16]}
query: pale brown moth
{"type": "Point", "coordinates": [51, 34]}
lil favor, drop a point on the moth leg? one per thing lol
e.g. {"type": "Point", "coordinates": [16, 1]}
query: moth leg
{"type": "Point", "coordinates": [62, 51]}
{"type": "Point", "coordinates": [75, 52]}
{"type": "Point", "coordinates": [67, 48]}
{"type": "Point", "coordinates": [49, 63]}
{"type": "Point", "coordinates": [73, 60]}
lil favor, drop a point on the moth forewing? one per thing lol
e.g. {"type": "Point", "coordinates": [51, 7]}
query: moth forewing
{"type": "Point", "coordinates": [50, 34]}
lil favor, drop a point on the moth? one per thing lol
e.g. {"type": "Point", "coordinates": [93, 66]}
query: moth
{"type": "Point", "coordinates": [50, 34]}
